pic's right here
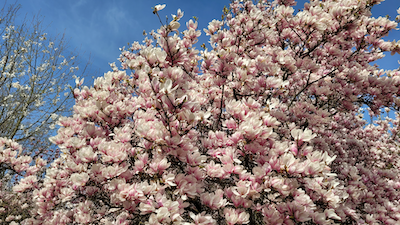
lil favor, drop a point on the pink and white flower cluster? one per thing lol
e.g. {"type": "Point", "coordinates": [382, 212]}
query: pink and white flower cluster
{"type": "Point", "coordinates": [16, 196]}
{"type": "Point", "coordinates": [263, 128]}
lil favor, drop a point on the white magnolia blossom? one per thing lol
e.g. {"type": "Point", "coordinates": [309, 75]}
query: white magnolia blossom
{"type": "Point", "coordinates": [79, 179]}
{"type": "Point", "coordinates": [174, 25]}
{"type": "Point", "coordinates": [159, 7]}
{"type": "Point", "coordinates": [166, 87]}
{"type": "Point", "coordinates": [303, 135]}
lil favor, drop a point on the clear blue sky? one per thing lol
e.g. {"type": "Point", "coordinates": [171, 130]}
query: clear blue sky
{"type": "Point", "coordinates": [101, 27]}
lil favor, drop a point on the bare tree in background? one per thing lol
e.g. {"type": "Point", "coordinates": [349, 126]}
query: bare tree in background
{"type": "Point", "coordinates": [34, 73]}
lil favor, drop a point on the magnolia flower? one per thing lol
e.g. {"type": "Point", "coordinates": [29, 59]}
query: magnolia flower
{"type": "Point", "coordinates": [231, 216]}
{"type": "Point", "coordinates": [25, 184]}
{"type": "Point", "coordinates": [153, 55]}
{"type": "Point", "coordinates": [242, 189]}
{"type": "Point", "coordinates": [214, 200]}
{"type": "Point", "coordinates": [174, 25]}
{"type": "Point", "coordinates": [330, 213]}
{"type": "Point", "coordinates": [300, 135]}
{"type": "Point", "coordinates": [158, 8]}
{"type": "Point", "coordinates": [202, 219]}
{"type": "Point", "coordinates": [79, 179]}
{"type": "Point", "coordinates": [214, 26]}
{"type": "Point", "coordinates": [169, 179]}
{"type": "Point", "coordinates": [178, 15]}
{"type": "Point", "coordinates": [163, 215]}
{"type": "Point", "coordinates": [79, 82]}
{"type": "Point", "coordinates": [86, 154]}
{"type": "Point", "coordinates": [66, 194]}
{"type": "Point", "coordinates": [146, 207]}
{"type": "Point", "coordinates": [166, 87]}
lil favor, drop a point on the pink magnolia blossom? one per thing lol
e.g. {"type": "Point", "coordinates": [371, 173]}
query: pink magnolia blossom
{"type": "Point", "coordinates": [265, 127]}
{"type": "Point", "coordinates": [159, 7]}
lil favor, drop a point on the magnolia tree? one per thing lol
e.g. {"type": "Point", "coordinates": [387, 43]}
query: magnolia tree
{"type": "Point", "coordinates": [263, 128]}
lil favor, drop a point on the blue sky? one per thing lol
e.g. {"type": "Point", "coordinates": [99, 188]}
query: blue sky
{"type": "Point", "coordinates": [100, 27]}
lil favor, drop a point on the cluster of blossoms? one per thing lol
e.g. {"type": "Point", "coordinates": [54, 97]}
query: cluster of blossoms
{"type": "Point", "coordinates": [12, 165]}
{"type": "Point", "coordinates": [266, 130]}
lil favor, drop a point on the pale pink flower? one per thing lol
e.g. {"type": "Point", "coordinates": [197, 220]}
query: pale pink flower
{"type": "Point", "coordinates": [213, 26]}
{"type": "Point", "coordinates": [79, 179]}
{"type": "Point", "coordinates": [147, 207]}
{"type": "Point", "coordinates": [242, 189]}
{"type": "Point", "coordinates": [86, 154]}
{"type": "Point", "coordinates": [159, 7]}
{"type": "Point", "coordinates": [303, 135]}
{"type": "Point", "coordinates": [169, 179]}
{"type": "Point", "coordinates": [231, 216]}
{"type": "Point", "coordinates": [174, 25]}
{"type": "Point", "coordinates": [25, 183]}
{"type": "Point", "coordinates": [66, 194]}
{"type": "Point", "coordinates": [178, 15]}
{"type": "Point", "coordinates": [214, 200]}
{"type": "Point", "coordinates": [166, 87]}
{"type": "Point", "coordinates": [202, 219]}
{"type": "Point", "coordinates": [330, 213]}
{"type": "Point", "coordinates": [154, 55]}
{"type": "Point", "coordinates": [214, 170]}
